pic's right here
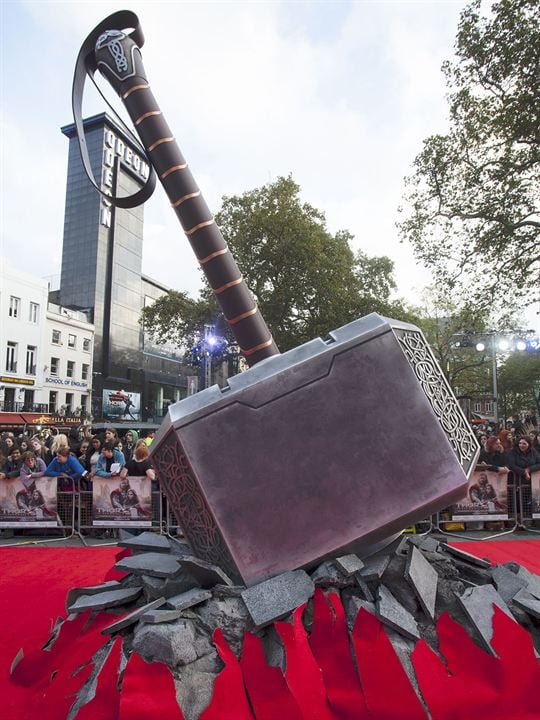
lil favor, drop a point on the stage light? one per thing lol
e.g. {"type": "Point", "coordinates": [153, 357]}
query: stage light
{"type": "Point", "coordinates": [533, 344]}
{"type": "Point", "coordinates": [480, 347]}
{"type": "Point", "coordinates": [504, 344]}
{"type": "Point", "coordinates": [521, 345]}
{"type": "Point", "coordinates": [211, 340]}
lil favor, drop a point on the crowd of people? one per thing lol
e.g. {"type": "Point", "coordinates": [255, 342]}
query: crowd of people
{"type": "Point", "coordinates": [74, 458]}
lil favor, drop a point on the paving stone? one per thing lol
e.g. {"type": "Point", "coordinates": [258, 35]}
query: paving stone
{"type": "Point", "coordinates": [170, 643]}
{"type": "Point", "coordinates": [424, 542]}
{"type": "Point", "coordinates": [103, 600]}
{"type": "Point", "coordinates": [178, 547]}
{"type": "Point", "coordinates": [206, 574]}
{"type": "Point", "coordinates": [153, 564]}
{"type": "Point", "coordinates": [364, 588]}
{"type": "Point", "coordinates": [465, 556]}
{"type": "Point", "coordinates": [349, 564]}
{"type": "Point", "coordinates": [328, 574]}
{"type": "Point", "coordinates": [533, 581]}
{"type": "Point", "coordinates": [158, 616]}
{"type": "Point", "coordinates": [167, 587]}
{"type": "Point", "coordinates": [230, 614]}
{"type": "Point", "coordinates": [403, 546]}
{"type": "Point", "coordinates": [392, 613]}
{"type": "Point", "coordinates": [374, 568]}
{"type": "Point", "coordinates": [74, 593]}
{"type": "Point", "coordinates": [277, 597]}
{"type": "Point", "coordinates": [149, 541]}
{"type": "Point", "coordinates": [225, 591]}
{"type": "Point", "coordinates": [423, 578]}
{"type": "Point", "coordinates": [404, 648]}
{"type": "Point", "coordinates": [528, 602]}
{"type": "Point", "coordinates": [353, 605]}
{"type": "Point", "coordinates": [133, 617]}
{"type": "Point", "coordinates": [477, 603]}
{"type": "Point", "coordinates": [507, 582]}
{"type": "Point", "coordinates": [188, 599]}
{"type": "Point", "coordinates": [124, 534]}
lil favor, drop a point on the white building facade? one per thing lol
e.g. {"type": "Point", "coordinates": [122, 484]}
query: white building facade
{"type": "Point", "coordinates": [45, 350]}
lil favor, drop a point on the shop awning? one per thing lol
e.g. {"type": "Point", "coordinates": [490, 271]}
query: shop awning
{"type": "Point", "coordinates": [8, 419]}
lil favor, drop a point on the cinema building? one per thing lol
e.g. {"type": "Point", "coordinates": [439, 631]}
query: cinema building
{"type": "Point", "coordinates": [101, 275]}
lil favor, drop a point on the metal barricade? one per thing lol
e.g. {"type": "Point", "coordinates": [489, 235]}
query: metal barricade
{"type": "Point", "coordinates": [86, 524]}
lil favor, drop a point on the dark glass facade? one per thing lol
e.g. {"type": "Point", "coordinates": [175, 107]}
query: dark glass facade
{"type": "Point", "coordinates": [102, 268]}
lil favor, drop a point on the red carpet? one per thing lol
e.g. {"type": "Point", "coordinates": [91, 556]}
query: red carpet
{"type": "Point", "coordinates": [525, 552]}
{"type": "Point", "coordinates": [33, 586]}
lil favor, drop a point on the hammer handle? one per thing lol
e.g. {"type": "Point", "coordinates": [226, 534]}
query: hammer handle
{"type": "Point", "coordinates": [236, 301]}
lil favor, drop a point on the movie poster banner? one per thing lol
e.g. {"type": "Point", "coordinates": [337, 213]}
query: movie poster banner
{"type": "Point", "coordinates": [28, 504]}
{"type": "Point", "coordinates": [486, 499]}
{"type": "Point", "coordinates": [535, 488]}
{"type": "Point", "coordinates": [122, 502]}
{"type": "Point", "coordinates": [121, 405]}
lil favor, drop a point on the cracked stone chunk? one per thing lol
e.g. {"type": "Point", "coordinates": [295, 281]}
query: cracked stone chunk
{"type": "Point", "coordinates": [507, 583]}
{"type": "Point", "coordinates": [465, 556]}
{"type": "Point", "coordinates": [153, 617]}
{"type": "Point", "coordinates": [170, 643]}
{"type": "Point", "coordinates": [188, 599]}
{"type": "Point", "coordinates": [74, 593]}
{"type": "Point", "coordinates": [149, 541]}
{"type": "Point", "coordinates": [374, 568]}
{"type": "Point", "coordinates": [230, 614]}
{"type": "Point", "coordinates": [327, 574]}
{"type": "Point", "coordinates": [353, 605]}
{"type": "Point", "coordinates": [392, 613]}
{"type": "Point", "coordinates": [154, 564]}
{"type": "Point", "coordinates": [364, 588]}
{"type": "Point", "coordinates": [349, 564]}
{"type": "Point", "coordinates": [424, 542]}
{"type": "Point", "coordinates": [177, 547]}
{"type": "Point", "coordinates": [108, 599]}
{"type": "Point", "coordinates": [527, 602]}
{"type": "Point", "coordinates": [275, 598]}
{"type": "Point", "coordinates": [206, 574]}
{"type": "Point", "coordinates": [226, 591]}
{"type": "Point", "coordinates": [533, 581]}
{"type": "Point", "coordinates": [155, 587]}
{"type": "Point", "coordinates": [423, 578]}
{"type": "Point", "coordinates": [132, 617]}
{"type": "Point", "coordinates": [477, 602]}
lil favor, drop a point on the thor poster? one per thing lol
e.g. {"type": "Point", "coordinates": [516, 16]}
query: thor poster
{"type": "Point", "coordinates": [122, 502]}
{"type": "Point", "coordinates": [535, 489]}
{"type": "Point", "coordinates": [27, 505]}
{"type": "Point", "coordinates": [486, 499]}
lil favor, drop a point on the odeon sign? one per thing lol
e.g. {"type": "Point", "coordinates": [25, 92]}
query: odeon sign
{"type": "Point", "coordinates": [114, 147]}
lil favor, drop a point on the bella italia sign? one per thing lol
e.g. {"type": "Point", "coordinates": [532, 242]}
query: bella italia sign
{"type": "Point", "coordinates": [114, 147]}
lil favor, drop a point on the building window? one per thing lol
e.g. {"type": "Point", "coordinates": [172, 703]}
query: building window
{"type": "Point", "coordinates": [53, 401]}
{"type": "Point", "coordinates": [70, 369]}
{"type": "Point", "coordinates": [69, 402]}
{"type": "Point", "coordinates": [55, 364]}
{"type": "Point", "coordinates": [56, 337]}
{"type": "Point", "coordinates": [489, 407]}
{"type": "Point", "coordinates": [34, 313]}
{"type": "Point", "coordinates": [84, 404]}
{"type": "Point", "coordinates": [84, 372]}
{"type": "Point", "coordinates": [86, 344]}
{"type": "Point", "coordinates": [72, 341]}
{"type": "Point", "coordinates": [31, 359]}
{"type": "Point", "coordinates": [477, 407]}
{"type": "Point", "coordinates": [14, 307]}
{"type": "Point", "coordinates": [11, 357]}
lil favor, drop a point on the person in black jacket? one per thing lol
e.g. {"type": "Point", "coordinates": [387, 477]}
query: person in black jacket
{"type": "Point", "coordinates": [522, 461]}
{"type": "Point", "coordinates": [493, 457]}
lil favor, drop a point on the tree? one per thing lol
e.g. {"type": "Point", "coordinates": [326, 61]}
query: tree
{"type": "Point", "coordinates": [519, 383]}
{"type": "Point", "coordinates": [305, 280]}
{"type": "Point", "coordinates": [472, 204]}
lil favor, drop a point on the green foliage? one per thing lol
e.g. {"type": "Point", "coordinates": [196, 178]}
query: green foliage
{"type": "Point", "coordinates": [305, 280]}
{"type": "Point", "coordinates": [472, 205]}
{"type": "Point", "coordinates": [519, 383]}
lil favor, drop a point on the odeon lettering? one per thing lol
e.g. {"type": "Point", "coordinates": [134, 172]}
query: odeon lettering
{"type": "Point", "coordinates": [115, 147]}
{"type": "Point", "coordinates": [67, 381]}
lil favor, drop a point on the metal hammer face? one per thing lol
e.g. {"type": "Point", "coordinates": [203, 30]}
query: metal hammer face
{"type": "Point", "coordinates": [329, 447]}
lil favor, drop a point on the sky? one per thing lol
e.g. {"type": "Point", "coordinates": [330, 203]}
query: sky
{"type": "Point", "coordinates": [338, 94]}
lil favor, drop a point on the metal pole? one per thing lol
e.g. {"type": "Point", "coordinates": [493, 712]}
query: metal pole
{"type": "Point", "coordinates": [495, 390]}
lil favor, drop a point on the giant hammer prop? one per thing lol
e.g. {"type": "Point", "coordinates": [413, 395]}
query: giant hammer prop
{"type": "Point", "coordinates": [331, 447]}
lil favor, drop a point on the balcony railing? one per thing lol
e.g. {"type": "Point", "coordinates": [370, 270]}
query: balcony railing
{"type": "Point", "coordinates": [19, 407]}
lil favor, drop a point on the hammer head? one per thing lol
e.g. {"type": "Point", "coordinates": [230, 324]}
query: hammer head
{"type": "Point", "coordinates": [330, 447]}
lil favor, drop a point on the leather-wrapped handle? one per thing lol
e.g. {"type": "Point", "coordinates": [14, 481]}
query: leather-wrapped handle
{"type": "Point", "coordinates": [118, 58]}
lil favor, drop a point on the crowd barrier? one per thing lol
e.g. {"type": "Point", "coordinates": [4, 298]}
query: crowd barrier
{"type": "Point", "coordinates": [76, 519]}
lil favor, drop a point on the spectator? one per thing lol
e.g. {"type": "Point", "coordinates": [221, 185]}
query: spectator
{"type": "Point", "coordinates": [493, 456]}
{"type": "Point", "coordinates": [74, 441]}
{"type": "Point", "coordinates": [24, 444]}
{"type": "Point", "coordinates": [60, 442]}
{"type": "Point", "coordinates": [40, 451]}
{"type": "Point", "coordinates": [12, 468]}
{"type": "Point", "coordinates": [131, 439]}
{"type": "Point", "coordinates": [506, 438]}
{"type": "Point", "coordinates": [518, 426]}
{"type": "Point", "coordinates": [32, 467]}
{"type": "Point", "coordinates": [111, 435]}
{"type": "Point", "coordinates": [66, 468]}
{"type": "Point", "coordinates": [109, 458]}
{"type": "Point", "coordinates": [139, 464]}
{"type": "Point", "coordinates": [531, 420]}
{"type": "Point", "coordinates": [92, 455]}
{"type": "Point", "coordinates": [523, 460]}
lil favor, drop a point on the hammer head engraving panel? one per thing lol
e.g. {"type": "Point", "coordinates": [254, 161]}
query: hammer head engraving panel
{"type": "Point", "coordinates": [326, 449]}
